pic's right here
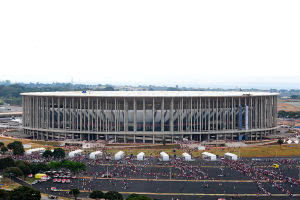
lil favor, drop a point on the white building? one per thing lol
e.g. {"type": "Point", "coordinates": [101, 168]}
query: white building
{"type": "Point", "coordinates": [164, 156]}
{"type": "Point", "coordinates": [140, 156]}
{"type": "Point", "coordinates": [209, 156]}
{"type": "Point", "coordinates": [96, 155]}
{"type": "Point", "coordinates": [33, 151]}
{"type": "Point", "coordinates": [75, 153]}
{"type": "Point", "coordinates": [119, 155]}
{"type": "Point", "coordinates": [230, 156]}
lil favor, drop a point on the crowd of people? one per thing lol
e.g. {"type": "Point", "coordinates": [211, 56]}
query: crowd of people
{"type": "Point", "coordinates": [274, 177]}
{"type": "Point", "coordinates": [120, 173]}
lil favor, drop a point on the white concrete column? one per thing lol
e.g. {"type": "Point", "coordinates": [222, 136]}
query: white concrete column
{"type": "Point", "coordinates": [162, 115]}
{"type": "Point", "coordinates": [153, 111]}
{"type": "Point", "coordinates": [126, 115]}
{"type": "Point", "coordinates": [144, 117]}
{"type": "Point", "coordinates": [53, 110]}
{"type": "Point", "coordinates": [134, 115]}
{"type": "Point", "coordinates": [172, 116]}
{"type": "Point", "coordinates": [88, 115]}
{"type": "Point", "coordinates": [80, 124]}
{"type": "Point", "coordinates": [58, 113]}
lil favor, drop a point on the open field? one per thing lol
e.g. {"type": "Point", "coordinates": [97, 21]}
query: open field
{"type": "Point", "coordinates": [288, 105]}
{"type": "Point", "coordinates": [258, 151]}
{"type": "Point", "coordinates": [33, 143]}
{"type": "Point", "coordinates": [261, 151]}
{"type": "Point", "coordinates": [6, 183]}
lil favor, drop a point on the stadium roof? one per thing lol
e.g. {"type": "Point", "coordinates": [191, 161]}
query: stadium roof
{"type": "Point", "coordinates": [149, 94]}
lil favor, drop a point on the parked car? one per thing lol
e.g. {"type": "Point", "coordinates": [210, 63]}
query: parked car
{"type": "Point", "coordinates": [34, 182]}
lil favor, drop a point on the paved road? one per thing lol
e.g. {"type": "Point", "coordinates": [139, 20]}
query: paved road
{"type": "Point", "coordinates": [195, 180]}
{"type": "Point", "coordinates": [170, 189]}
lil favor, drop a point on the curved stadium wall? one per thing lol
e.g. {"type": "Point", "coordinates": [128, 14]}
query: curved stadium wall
{"type": "Point", "coordinates": [149, 116]}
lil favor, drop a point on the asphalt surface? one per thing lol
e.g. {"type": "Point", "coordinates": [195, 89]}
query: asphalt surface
{"type": "Point", "coordinates": [198, 180]}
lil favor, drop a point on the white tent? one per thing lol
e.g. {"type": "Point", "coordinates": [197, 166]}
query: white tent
{"type": "Point", "coordinates": [96, 154]}
{"type": "Point", "coordinates": [77, 152]}
{"type": "Point", "coordinates": [36, 150]}
{"type": "Point", "coordinates": [164, 156]}
{"type": "Point", "coordinates": [230, 156]}
{"type": "Point", "coordinates": [209, 156]}
{"type": "Point", "coordinates": [140, 156]}
{"type": "Point", "coordinates": [119, 155]}
{"type": "Point", "coordinates": [187, 157]}
{"type": "Point", "coordinates": [201, 148]}
{"type": "Point", "coordinates": [26, 146]}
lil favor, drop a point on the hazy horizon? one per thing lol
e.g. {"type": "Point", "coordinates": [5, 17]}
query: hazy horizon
{"type": "Point", "coordinates": [228, 44]}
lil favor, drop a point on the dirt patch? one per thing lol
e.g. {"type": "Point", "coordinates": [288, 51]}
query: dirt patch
{"type": "Point", "coordinates": [288, 107]}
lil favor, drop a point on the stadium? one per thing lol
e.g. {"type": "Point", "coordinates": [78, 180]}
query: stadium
{"type": "Point", "coordinates": [149, 116]}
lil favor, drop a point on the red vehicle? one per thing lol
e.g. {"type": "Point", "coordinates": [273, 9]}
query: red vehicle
{"type": "Point", "coordinates": [68, 181]}
{"type": "Point", "coordinates": [58, 180]}
{"type": "Point", "coordinates": [54, 180]}
{"type": "Point", "coordinates": [63, 180]}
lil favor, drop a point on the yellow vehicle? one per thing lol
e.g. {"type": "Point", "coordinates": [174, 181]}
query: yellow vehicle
{"type": "Point", "coordinates": [276, 166]}
{"type": "Point", "coordinates": [39, 176]}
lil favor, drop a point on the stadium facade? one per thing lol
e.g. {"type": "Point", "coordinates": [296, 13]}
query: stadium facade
{"type": "Point", "coordinates": [149, 116]}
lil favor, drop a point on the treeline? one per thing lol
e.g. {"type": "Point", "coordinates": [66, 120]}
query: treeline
{"type": "Point", "coordinates": [21, 168]}
{"type": "Point", "coordinates": [295, 97]}
{"type": "Point", "coordinates": [285, 114]}
{"type": "Point", "coordinates": [20, 193]}
{"type": "Point", "coordinates": [10, 93]}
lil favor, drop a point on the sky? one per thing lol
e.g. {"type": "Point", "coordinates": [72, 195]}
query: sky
{"type": "Point", "coordinates": [215, 43]}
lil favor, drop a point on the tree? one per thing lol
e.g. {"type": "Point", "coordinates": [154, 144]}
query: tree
{"type": "Point", "coordinates": [7, 162]}
{"type": "Point", "coordinates": [137, 197]}
{"type": "Point", "coordinates": [25, 193]}
{"type": "Point", "coordinates": [55, 165]}
{"type": "Point", "coordinates": [96, 194]}
{"type": "Point", "coordinates": [47, 154]}
{"type": "Point", "coordinates": [18, 150]}
{"type": "Point", "coordinates": [59, 153]}
{"type": "Point", "coordinates": [4, 195]}
{"type": "Point", "coordinates": [11, 146]}
{"type": "Point", "coordinates": [23, 167]}
{"type": "Point", "coordinates": [112, 195]}
{"type": "Point", "coordinates": [73, 166]}
{"type": "Point", "coordinates": [1, 144]}
{"type": "Point", "coordinates": [38, 167]}
{"type": "Point", "coordinates": [13, 171]}
{"type": "Point", "coordinates": [17, 147]}
{"type": "Point", "coordinates": [4, 149]}
{"type": "Point", "coordinates": [280, 142]}
{"type": "Point", "coordinates": [74, 192]}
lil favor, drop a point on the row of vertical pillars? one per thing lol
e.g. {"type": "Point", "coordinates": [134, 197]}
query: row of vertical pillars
{"type": "Point", "coordinates": [150, 114]}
